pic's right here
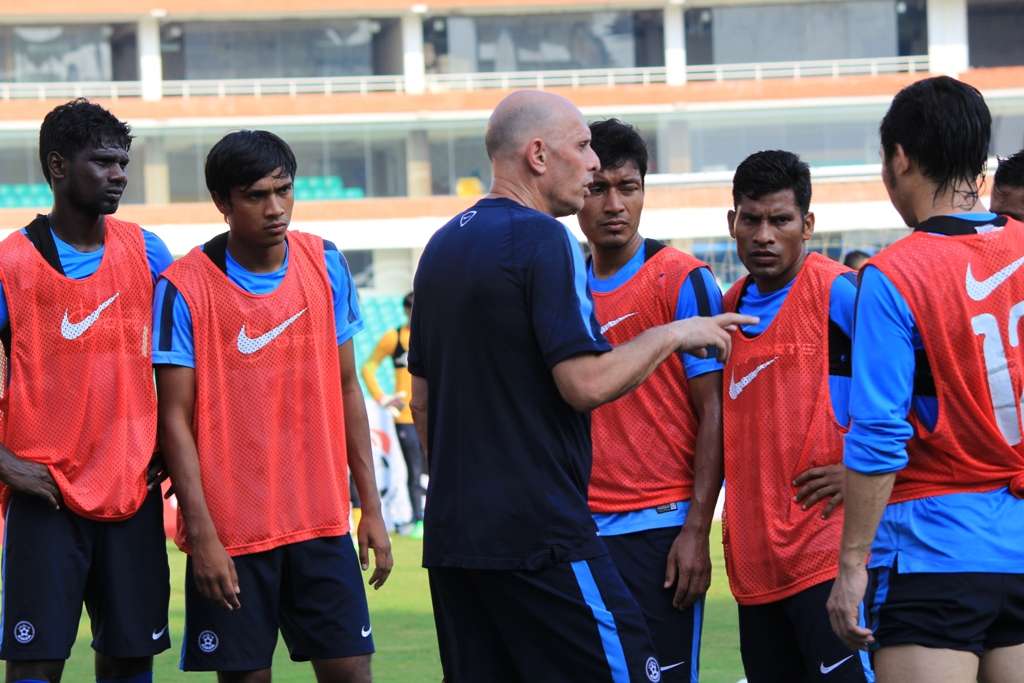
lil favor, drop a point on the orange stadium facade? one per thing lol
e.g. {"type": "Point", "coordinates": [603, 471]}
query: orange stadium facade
{"type": "Point", "coordinates": [385, 104]}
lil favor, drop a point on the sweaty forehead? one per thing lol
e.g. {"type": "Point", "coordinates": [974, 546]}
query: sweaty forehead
{"type": "Point", "coordinates": [783, 201]}
{"type": "Point", "coordinates": [626, 172]}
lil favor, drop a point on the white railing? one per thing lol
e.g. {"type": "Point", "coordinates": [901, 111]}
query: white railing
{"type": "Point", "coordinates": [794, 70]}
{"type": "Point", "coordinates": [66, 91]}
{"type": "Point", "coordinates": [284, 86]}
{"type": "Point", "coordinates": [575, 78]}
{"type": "Point", "coordinates": [440, 83]}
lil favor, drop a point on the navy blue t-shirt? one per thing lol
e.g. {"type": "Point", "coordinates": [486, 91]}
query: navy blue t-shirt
{"type": "Point", "coordinates": [501, 298]}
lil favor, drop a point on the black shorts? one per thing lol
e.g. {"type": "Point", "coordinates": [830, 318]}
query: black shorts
{"type": "Point", "coordinates": [640, 558]}
{"type": "Point", "coordinates": [54, 560]}
{"type": "Point", "coordinates": [312, 591]}
{"type": "Point", "coordinates": [791, 641]}
{"type": "Point", "coordinates": [970, 611]}
{"type": "Point", "coordinates": [571, 622]}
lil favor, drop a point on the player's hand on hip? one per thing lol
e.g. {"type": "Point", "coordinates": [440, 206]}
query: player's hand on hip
{"type": "Point", "coordinates": [688, 567]}
{"type": "Point", "coordinates": [818, 483]}
{"type": "Point", "coordinates": [213, 571]}
{"type": "Point", "coordinates": [31, 478]}
{"type": "Point", "coordinates": [704, 337]}
{"type": "Point", "coordinates": [844, 604]}
{"type": "Point", "coordinates": [373, 533]}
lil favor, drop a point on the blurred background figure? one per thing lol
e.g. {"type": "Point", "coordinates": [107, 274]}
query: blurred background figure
{"type": "Point", "coordinates": [1008, 189]}
{"type": "Point", "coordinates": [856, 259]}
{"type": "Point", "coordinates": [394, 344]}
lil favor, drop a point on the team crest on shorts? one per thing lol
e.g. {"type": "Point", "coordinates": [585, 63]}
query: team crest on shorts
{"type": "Point", "coordinates": [208, 642]}
{"type": "Point", "coordinates": [24, 632]}
{"type": "Point", "coordinates": [653, 670]}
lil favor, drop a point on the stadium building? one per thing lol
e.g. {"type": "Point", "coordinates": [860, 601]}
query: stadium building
{"type": "Point", "coordinates": [385, 107]}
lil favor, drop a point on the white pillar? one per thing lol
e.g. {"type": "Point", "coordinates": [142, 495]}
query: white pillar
{"type": "Point", "coordinates": [414, 65]}
{"type": "Point", "coordinates": [150, 63]}
{"type": "Point", "coordinates": [675, 44]}
{"type": "Point", "coordinates": [947, 36]}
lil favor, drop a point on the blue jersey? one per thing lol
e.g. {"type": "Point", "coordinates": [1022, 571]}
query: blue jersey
{"type": "Point", "coordinates": [842, 298]}
{"type": "Point", "coordinates": [172, 320]}
{"type": "Point", "coordinates": [78, 265]}
{"type": "Point", "coordinates": [502, 298]}
{"type": "Point", "coordinates": [962, 532]}
{"type": "Point", "coordinates": [688, 305]}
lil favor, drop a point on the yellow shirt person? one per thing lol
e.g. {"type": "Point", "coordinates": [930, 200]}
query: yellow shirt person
{"type": "Point", "coordinates": [395, 343]}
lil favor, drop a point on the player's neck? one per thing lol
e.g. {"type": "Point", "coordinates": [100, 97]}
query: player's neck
{"type": "Point", "coordinates": [766, 285]}
{"type": "Point", "coordinates": [607, 261]}
{"type": "Point", "coordinates": [80, 229]}
{"type": "Point", "coordinates": [255, 258]}
{"type": "Point", "coordinates": [519, 192]}
{"type": "Point", "coordinates": [926, 203]}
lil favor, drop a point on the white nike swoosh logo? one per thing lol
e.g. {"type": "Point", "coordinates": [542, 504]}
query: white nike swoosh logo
{"type": "Point", "coordinates": [70, 330]}
{"type": "Point", "coordinates": [672, 666]}
{"type": "Point", "coordinates": [157, 634]}
{"type": "Point", "coordinates": [612, 323]}
{"type": "Point", "coordinates": [979, 289]}
{"type": "Point", "coordinates": [736, 388]}
{"type": "Point", "coordinates": [366, 631]}
{"type": "Point", "coordinates": [826, 670]}
{"type": "Point", "coordinates": [249, 345]}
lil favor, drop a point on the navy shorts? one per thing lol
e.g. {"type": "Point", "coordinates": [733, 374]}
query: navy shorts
{"type": "Point", "coordinates": [791, 641]}
{"type": "Point", "coordinates": [570, 622]}
{"type": "Point", "coordinates": [312, 591]}
{"type": "Point", "coordinates": [970, 611]}
{"type": "Point", "coordinates": [640, 558]}
{"type": "Point", "coordinates": [55, 560]}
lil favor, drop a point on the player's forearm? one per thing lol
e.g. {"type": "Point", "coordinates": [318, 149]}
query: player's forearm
{"type": "Point", "coordinates": [587, 382]}
{"type": "Point", "coordinates": [369, 373]}
{"type": "Point", "coordinates": [357, 445]}
{"type": "Point", "coordinates": [419, 405]}
{"type": "Point", "coordinates": [707, 465]}
{"type": "Point", "coordinates": [865, 498]}
{"type": "Point", "coordinates": [178, 448]}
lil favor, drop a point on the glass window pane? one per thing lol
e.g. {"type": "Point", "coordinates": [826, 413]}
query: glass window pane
{"type": "Point", "coordinates": [281, 49]}
{"type": "Point", "coordinates": [68, 53]}
{"type": "Point", "coordinates": [571, 40]}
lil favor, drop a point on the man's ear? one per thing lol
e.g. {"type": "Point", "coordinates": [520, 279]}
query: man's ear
{"type": "Point", "coordinates": [900, 163]}
{"type": "Point", "coordinates": [808, 225]}
{"type": "Point", "coordinates": [56, 165]}
{"type": "Point", "coordinates": [731, 217]}
{"type": "Point", "coordinates": [223, 204]}
{"type": "Point", "coordinates": [537, 156]}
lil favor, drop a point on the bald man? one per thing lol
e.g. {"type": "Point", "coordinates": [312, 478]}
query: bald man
{"type": "Point", "coordinates": [507, 359]}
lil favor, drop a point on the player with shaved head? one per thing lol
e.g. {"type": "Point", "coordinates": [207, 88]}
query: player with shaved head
{"type": "Point", "coordinates": [507, 358]}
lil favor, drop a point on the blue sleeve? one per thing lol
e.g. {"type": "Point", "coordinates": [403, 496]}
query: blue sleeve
{"type": "Point", "coordinates": [157, 253]}
{"type": "Point", "coordinates": [347, 319]}
{"type": "Point", "coordinates": [883, 378]}
{"type": "Point", "coordinates": [560, 304]}
{"type": "Point", "coordinates": [699, 295]}
{"type": "Point", "coordinates": [842, 300]}
{"type": "Point", "coordinates": [172, 327]}
{"type": "Point", "coordinates": [5, 316]}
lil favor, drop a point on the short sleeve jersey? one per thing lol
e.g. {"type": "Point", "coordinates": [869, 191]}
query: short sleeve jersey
{"type": "Point", "coordinates": [501, 298]}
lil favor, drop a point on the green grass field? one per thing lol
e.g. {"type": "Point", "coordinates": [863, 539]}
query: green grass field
{"type": "Point", "coordinates": [403, 629]}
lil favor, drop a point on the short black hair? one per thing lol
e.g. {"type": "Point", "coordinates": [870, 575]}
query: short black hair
{"type": "Point", "coordinates": [241, 158]}
{"type": "Point", "coordinates": [616, 142]}
{"type": "Point", "coordinates": [945, 127]}
{"type": "Point", "coordinates": [771, 171]}
{"type": "Point", "coordinates": [854, 256]}
{"type": "Point", "coordinates": [77, 125]}
{"type": "Point", "coordinates": [407, 300]}
{"type": "Point", "coordinates": [1011, 170]}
